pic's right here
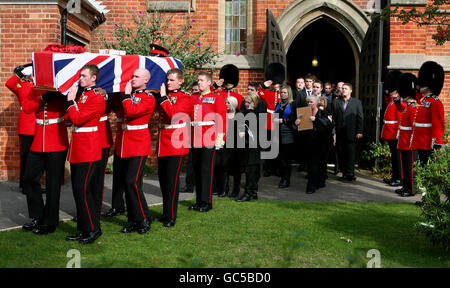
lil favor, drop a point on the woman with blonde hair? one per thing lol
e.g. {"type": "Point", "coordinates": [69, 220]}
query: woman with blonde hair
{"type": "Point", "coordinates": [317, 145]}
{"type": "Point", "coordinates": [285, 120]}
{"type": "Point", "coordinates": [249, 156]}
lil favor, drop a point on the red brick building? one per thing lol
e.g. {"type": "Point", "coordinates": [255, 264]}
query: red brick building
{"type": "Point", "coordinates": [340, 34]}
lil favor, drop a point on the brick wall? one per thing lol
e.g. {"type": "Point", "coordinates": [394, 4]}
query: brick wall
{"type": "Point", "coordinates": [24, 29]}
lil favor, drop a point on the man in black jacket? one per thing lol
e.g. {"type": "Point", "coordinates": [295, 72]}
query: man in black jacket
{"type": "Point", "coordinates": [348, 118]}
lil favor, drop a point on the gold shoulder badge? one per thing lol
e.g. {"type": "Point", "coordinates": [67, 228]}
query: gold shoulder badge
{"type": "Point", "coordinates": [136, 100]}
{"type": "Point", "coordinates": [19, 86]}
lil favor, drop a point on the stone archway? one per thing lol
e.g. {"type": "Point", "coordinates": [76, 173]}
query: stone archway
{"type": "Point", "coordinates": [346, 16]}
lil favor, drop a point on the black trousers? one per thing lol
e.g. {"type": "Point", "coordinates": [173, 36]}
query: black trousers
{"type": "Point", "coordinates": [407, 165]}
{"type": "Point", "coordinates": [190, 178]}
{"type": "Point", "coordinates": [101, 180]}
{"type": "Point", "coordinates": [284, 161]}
{"type": "Point", "coordinates": [169, 169]}
{"type": "Point", "coordinates": [346, 151]}
{"type": "Point", "coordinates": [25, 144]}
{"type": "Point", "coordinates": [85, 190]}
{"type": "Point", "coordinates": [118, 189]}
{"type": "Point", "coordinates": [317, 162]}
{"type": "Point", "coordinates": [203, 162]}
{"type": "Point", "coordinates": [395, 159]}
{"type": "Point", "coordinates": [53, 165]}
{"type": "Point", "coordinates": [134, 196]}
{"type": "Point", "coordinates": [252, 175]}
{"type": "Point", "coordinates": [424, 156]}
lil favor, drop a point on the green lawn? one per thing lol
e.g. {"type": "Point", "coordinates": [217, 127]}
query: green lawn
{"type": "Point", "coordinates": [252, 234]}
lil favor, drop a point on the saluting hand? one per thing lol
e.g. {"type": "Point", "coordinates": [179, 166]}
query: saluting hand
{"type": "Point", "coordinates": [268, 83]}
{"type": "Point", "coordinates": [162, 90]}
{"type": "Point", "coordinates": [73, 92]}
{"type": "Point", "coordinates": [128, 88]}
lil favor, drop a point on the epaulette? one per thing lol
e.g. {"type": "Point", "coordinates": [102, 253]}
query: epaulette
{"type": "Point", "coordinates": [436, 97]}
{"type": "Point", "coordinates": [187, 93]}
{"type": "Point", "coordinates": [149, 93]}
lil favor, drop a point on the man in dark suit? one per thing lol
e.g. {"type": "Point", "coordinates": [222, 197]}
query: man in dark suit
{"type": "Point", "coordinates": [348, 117]}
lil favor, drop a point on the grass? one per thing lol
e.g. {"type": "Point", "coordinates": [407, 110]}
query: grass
{"type": "Point", "coordinates": [252, 234]}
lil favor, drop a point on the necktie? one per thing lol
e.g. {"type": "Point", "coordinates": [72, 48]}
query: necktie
{"type": "Point", "coordinates": [345, 104]}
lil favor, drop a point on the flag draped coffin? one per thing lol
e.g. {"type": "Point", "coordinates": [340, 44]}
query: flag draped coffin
{"type": "Point", "coordinates": [62, 70]}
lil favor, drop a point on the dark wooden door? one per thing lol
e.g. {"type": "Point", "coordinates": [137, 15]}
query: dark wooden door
{"type": "Point", "coordinates": [275, 51]}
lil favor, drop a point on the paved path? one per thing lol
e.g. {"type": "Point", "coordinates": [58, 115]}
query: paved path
{"type": "Point", "coordinates": [14, 213]}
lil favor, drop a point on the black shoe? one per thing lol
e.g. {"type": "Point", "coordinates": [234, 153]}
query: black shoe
{"type": "Point", "coordinates": [143, 227]}
{"type": "Point", "coordinates": [400, 191]}
{"type": "Point", "coordinates": [32, 225]}
{"type": "Point", "coordinates": [234, 194]}
{"type": "Point", "coordinates": [244, 198]}
{"type": "Point", "coordinates": [114, 212]}
{"type": "Point", "coordinates": [223, 194]}
{"type": "Point", "coordinates": [254, 196]}
{"type": "Point", "coordinates": [169, 223]}
{"type": "Point", "coordinates": [205, 208]}
{"type": "Point", "coordinates": [161, 219]}
{"type": "Point", "coordinates": [310, 190]}
{"type": "Point", "coordinates": [130, 228]}
{"type": "Point", "coordinates": [44, 229]}
{"type": "Point", "coordinates": [283, 183]}
{"type": "Point", "coordinates": [388, 181]}
{"type": "Point", "coordinates": [215, 193]}
{"type": "Point", "coordinates": [195, 207]}
{"type": "Point", "coordinates": [89, 237]}
{"type": "Point", "coordinates": [395, 183]}
{"type": "Point", "coordinates": [407, 193]}
{"type": "Point", "coordinates": [75, 237]}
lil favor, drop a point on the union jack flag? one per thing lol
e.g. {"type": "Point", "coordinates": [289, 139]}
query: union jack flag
{"type": "Point", "coordinates": [62, 70]}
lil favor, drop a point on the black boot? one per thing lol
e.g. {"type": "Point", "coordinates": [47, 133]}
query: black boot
{"type": "Point", "coordinates": [245, 197]}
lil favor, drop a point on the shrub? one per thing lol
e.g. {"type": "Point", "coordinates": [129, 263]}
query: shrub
{"type": "Point", "coordinates": [156, 28]}
{"type": "Point", "coordinates": [434, 178]}
{"type": "Point", "coordinates": [380, 155]}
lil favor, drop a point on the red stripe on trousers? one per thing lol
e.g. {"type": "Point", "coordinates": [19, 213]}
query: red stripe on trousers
{"type": "Point", "coordinates": [175, 188]}
{"type": "Point", "coordinates": [412, 172]}
{"type": "Point", "coordinates": [212, 174]}
{"type": "Point", "coordinates": [85, 201]}
{"type": "Point", "coordinates": [137, 191]}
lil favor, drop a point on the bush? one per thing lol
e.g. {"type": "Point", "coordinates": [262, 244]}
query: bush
{"type": "Point", "coordinates": [380, 155]}
{"type": "Point", "coordinates": [156, 28]}
{"type": "Point", "coordinates": [434, 178]}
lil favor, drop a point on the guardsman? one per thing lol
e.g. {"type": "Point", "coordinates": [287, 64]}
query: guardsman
{"type": "Point", "coordinates": [85, 153]}
{"type": "Point", "coordinates": [228, 79]}
{"type": "Point", "coordinates": [138, 106]}
{"type": "Point", "coordinates": [47, 153]}
{"type": "Point", "coordinates": [429, 123]}
{"type": "Point", "coordinates": [106, 141]}
{"type": "Point", "coordinates": [174, 107]}
{"type": "Point", "coordinates": [389, 132]}
{"type": "Point", "coordinates": [117, 202]}
{"type": "Point", "coordinates": [19, 83]}
{"type": "Point", "coordinates": [208, 121]}
{"type": "Point", "coordinates": [408, 91]}
{"type": "Point", "coordinates": [269, 91]}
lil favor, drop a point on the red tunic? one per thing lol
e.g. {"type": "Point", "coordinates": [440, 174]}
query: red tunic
{"type": "Point", "coordinates": [21, 88]}
{"type": "Point", "coordinates": [85, 116]}
{"type": "Point", "coordinates": [116, 106]}
{"type": "Point", "coordinates": [272, 98]}
{"type": "Point", "coordinates": [209, 120]}
{"type": "Point", "coordinates": [50, 128]}
{"type": "Point", "coordinates": [173, 136]}
{"type": "Point", "coordinates": [136, 139]}
{"type": "Point", "coordinates": [406, 125]}
{"type": "Point", "coordinates": [429, 124]}
{"type": "Point", "coordinates": [104, 129]}
{"type": "Point", "coordinates": [391, 121]}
